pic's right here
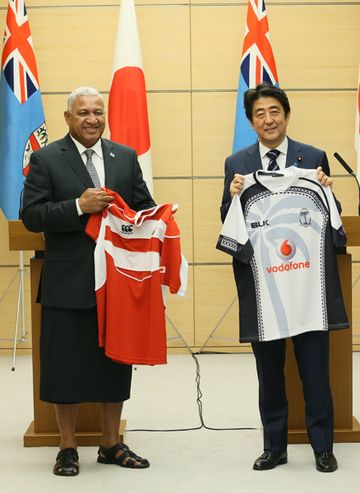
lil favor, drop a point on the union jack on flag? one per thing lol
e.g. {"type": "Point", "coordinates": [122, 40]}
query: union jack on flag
{"type": "Point", "coordinates": [257, 65]}
{"type": "Point", "coordinates": [18, 59]}
{"type": "Point", "coordinates": [22, 122]}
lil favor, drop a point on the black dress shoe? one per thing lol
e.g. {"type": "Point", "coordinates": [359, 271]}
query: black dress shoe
{"type": "Point", "coordinates": [269, 460]}
{"type": "Point", "coordinates": [325, 461]}
{"type": "Point", "coordinates": [67, 463]}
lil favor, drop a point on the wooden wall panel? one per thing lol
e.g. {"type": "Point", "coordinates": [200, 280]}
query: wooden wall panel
{"type": "Point", "coordinates": [170, 123]}
{"type": "Point", "coordinates": [85, 54]}
{"type": "Point", "coordinates": [347, 193]}
{"type": "Point", "coordinates": [268, 2]}
{"type": "Point", "coordinates": [314, 47]}
{"type": "Point", "coordinates": [54, 107]}
{"type": "Point", "coordinates": [312, 120]}
{"type": "Point", "coordinates": [213, 123]}
{"type": "Point", "coordinates": [217, 34]}
{"type": "Point", "coordinates": [356, 304]}
{"type": "Point", "coordinates": [93, 3]}
{"type": "Point", "coordinates": [165, 46]}
{"type": "Point", "coordinates": [191, 52]}
{"type": "Point", "coordinates": [170, 128]}
{"type": "Point", "coordinates": [180, 311]}
{"type": "Point", "coordinates": [215, 294]}
{"type": "Point", "coordinates": [211, 131]}
{"type": "Point", "coordinates": [7, 257]}
{"type": "Point", "coordinates": [179, 192]}
{"type": "Point", "coordinates": [326, 120]}
{"type": "Point", "coordinates": [207, 223]}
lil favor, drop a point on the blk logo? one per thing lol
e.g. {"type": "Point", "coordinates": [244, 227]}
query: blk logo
{"type": "Point", "coordinates": [259, 224]}
{"type": "Point", "coordinates": [127, 229]}
{"type": "Point", "coordinates": [286, 249]}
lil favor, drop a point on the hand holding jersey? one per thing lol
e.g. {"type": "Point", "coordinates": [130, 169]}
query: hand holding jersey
{"type": "Point", "coordinates": [94, 200]}
{"type": "Point", "coordinates": [238, 181]}
{"type": "Point", "coordinates": [236, 185]}
{"type": "Point", "coordinates": [281, 229]}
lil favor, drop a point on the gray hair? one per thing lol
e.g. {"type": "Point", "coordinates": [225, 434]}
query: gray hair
{"type": "Point", "coordinates": [81, 91]}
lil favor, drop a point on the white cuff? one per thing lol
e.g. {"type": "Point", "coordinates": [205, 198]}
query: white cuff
{"type": "Point", "coordinates": [79, 211]}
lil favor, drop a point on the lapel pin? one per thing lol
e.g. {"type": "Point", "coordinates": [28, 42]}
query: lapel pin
{"type": "Point", "coordinates": [112, 155]}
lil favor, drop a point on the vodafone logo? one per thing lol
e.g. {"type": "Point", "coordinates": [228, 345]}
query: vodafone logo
{"type": "Point", "coordinates": [289, 266]}
{"type": "Point", "coordinates": [286, 250]}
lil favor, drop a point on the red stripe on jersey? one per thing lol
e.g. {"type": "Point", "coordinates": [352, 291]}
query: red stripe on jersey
{"type": "Point", "coordinates": [130, 302]}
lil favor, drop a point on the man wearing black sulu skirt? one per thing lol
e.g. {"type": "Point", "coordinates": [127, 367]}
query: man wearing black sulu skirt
{"type": "Point", "coordinates": [62, 189]}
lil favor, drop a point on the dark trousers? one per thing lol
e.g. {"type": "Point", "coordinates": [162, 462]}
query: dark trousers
{"type": "Point", "coordinates": [312, 357]}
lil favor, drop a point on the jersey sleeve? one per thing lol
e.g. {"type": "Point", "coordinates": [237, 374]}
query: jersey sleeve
{"type": "Point", "coordinates": [93, 226]}
{"type": "Point", "coordinates": [234, 238]}
{"type": "Point", "coordinates": [327, 197]}
{"type": "Point", "coordinates": [173, 265]}
{"type": "Point", "coordinates": [337, 230]}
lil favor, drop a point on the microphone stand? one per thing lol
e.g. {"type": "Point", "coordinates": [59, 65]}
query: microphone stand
{"type": "Point", "coordinates": [350, 171]}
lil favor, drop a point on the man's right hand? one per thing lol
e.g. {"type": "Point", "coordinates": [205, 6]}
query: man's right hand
{"type": "Point", "coordinates": [236, 185]}
{"type": "Point", "coordinates": [94, 200]}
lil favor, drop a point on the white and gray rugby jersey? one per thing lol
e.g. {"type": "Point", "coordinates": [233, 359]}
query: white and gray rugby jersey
{"type": "Point", "coordinates": [282, 230]}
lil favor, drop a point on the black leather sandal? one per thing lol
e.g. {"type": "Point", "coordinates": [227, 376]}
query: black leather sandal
{"type": "Point", "coordinates": [67, 463]}
{"type": "Point", "coordinates": [127, 458]}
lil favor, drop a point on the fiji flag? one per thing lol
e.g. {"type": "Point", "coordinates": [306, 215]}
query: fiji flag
{"type": "Point", "coordinates": [257, 65]}
{"type": "Point", "coordinates": [22, 125]}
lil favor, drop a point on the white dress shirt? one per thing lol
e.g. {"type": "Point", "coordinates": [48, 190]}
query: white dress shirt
{"type": "Point", "coordinates": [281, 160]}
{"type": "Point", "coordinates": [97, 159]}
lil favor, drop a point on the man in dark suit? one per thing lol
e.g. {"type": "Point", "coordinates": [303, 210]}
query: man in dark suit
{"type": "Point", "coordinates": [268, 110]}
{"type": "Point", "coordinates": [62, 189]}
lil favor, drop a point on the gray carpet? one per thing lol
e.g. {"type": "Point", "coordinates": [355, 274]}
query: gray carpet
{"type": "Point", "coordinates": [203, 461]}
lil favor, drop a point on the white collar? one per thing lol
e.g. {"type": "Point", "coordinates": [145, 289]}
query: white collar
{"type": "Point", "coordinates": [97, 148]}
{"type": "Point", "coordinates": [283, 147]}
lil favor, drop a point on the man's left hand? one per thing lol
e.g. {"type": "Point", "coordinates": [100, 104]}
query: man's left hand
{"type": "Point", "coordinates": [323, 179]}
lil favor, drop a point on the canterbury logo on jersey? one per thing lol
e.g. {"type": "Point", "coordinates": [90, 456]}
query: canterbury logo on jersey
{"type": "Point", "coordinates": [127, 228]}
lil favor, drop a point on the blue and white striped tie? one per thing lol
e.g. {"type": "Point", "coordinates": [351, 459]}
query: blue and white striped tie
{"type": "Point", "coordinates": [273, 155]}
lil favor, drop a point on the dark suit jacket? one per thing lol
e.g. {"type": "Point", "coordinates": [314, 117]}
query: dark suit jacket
{"type": "Point", "coordinates": [248, 160]}
{"type": "Point", "coordinates": [56, 178]}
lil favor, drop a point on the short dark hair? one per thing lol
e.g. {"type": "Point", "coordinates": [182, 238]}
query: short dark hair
{"type": "Point", "coordinates": [265, 90]}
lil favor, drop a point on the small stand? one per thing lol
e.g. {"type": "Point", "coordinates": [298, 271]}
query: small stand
{"type": "Point", "coordinates": [20, 307]}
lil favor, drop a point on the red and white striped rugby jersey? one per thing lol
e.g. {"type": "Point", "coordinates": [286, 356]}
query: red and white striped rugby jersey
{"type": "Point", "coordinates": [137, 260]}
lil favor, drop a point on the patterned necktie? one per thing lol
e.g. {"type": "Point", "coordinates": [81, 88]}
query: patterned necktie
{"type": "Point", "coordinates": [90, 166]}
{"type": "Point", "coordinates": [273, 155]}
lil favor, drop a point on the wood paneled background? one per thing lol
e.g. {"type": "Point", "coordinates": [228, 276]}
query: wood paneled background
{"type": "Point", "coordinates": [191, 53]}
